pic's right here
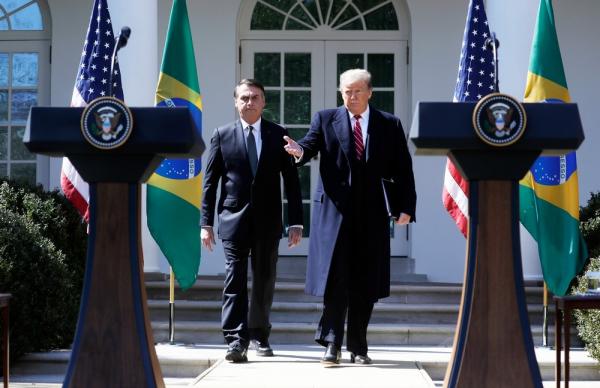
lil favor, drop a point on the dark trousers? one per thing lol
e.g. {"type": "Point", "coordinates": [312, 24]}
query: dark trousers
{"type": "Point", "coordinates": [239, 324]}
{"type": "Point", "coordinates": [345, 292]}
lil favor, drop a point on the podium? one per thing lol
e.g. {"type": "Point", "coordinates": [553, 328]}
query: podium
{"type": "Point", "coordinates": [113, 345]}
{"type": "Point", "coordinates": [493, 346]}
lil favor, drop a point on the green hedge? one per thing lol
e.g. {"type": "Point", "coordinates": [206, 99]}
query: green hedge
{"type": "Point", "coordinates": [42, 258]}
{"type": "Point", "coordinates": [588, 321]}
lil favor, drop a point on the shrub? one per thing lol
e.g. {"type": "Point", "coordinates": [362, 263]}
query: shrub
{"type": "Point", "coordinates": [588, 321]}
{"type": "Point", "coordinates": [42, 258]}
{"type": "Point", "coordinates": [589, 216]}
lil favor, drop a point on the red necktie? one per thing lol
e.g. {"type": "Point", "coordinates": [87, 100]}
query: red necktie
{"type": "Point", "coordinates": [358, 138]}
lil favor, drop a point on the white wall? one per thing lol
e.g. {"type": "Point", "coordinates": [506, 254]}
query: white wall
{"type": "Point", "coordinates": [577, 30]}
{"type": "Point", "coordinates": [69, 26]}
{"type": "Point", "coordinates": [214, 29]}
{"type": "Point", "coordinates": [438, 246]}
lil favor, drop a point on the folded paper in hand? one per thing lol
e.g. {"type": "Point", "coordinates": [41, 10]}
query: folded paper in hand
{"type": "Point", "coordinates": [391, 195]}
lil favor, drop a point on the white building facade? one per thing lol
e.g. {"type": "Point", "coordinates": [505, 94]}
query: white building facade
{"type": "Point", "coordinates": [297, 49]}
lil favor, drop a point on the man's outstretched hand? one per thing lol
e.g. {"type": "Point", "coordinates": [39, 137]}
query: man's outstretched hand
{"type": "Point", "coordinates": [292, 147]}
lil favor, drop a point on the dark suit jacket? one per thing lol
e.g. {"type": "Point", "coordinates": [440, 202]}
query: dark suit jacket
{"type": "Point", "coordinates": [249, 207]}
{"type": "Point", "coordinates": [387, 156]}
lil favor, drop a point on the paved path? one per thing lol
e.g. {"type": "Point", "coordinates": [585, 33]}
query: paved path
{"type": "Point", "coordinates": [298, 366]}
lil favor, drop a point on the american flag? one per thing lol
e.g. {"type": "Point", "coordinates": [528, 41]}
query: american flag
{"type": "Point", "coordinates": [93, 78]}
{"type": "Point", "coordinates": [476, 78]}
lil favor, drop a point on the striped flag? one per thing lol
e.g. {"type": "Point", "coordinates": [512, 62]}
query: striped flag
{"type": "Point", "coordinates": [174, 190]}
{"type": "Point", "coordinates": [476, 78]}
{"type": "Point", "coordinates": [92, 82]}
{"type": "Point", "coordinates": [549, 193]}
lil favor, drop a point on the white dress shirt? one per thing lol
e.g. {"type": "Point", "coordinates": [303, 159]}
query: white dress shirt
{"type": "Point", "coordinates": [364, 124]}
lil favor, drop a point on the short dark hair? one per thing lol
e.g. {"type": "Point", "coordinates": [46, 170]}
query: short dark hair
{"type": "Point", "coordinates": [249, 82]}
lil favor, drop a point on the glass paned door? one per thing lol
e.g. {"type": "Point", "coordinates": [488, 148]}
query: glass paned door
{"type": "Point", "coordinates": [386, 61]}
{"type": "Point", "coordinates": [292, 73]}
{"type": "Point", "coordinates": [24, 76]}
{"type": "Point", "coordinates": [301, 77]}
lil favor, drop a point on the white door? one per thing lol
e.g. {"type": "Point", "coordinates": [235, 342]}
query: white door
{"type": "Point", "coordinates": [387, 63]}
{"type": "Point", "coordinates": [301, 77]}
{"type": "Point", "coordinates": [292, 73]}
{"type": "Point", "coordinates": [24, 82]}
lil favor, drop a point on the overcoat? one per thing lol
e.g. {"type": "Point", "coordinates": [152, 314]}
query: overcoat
{"type": "Point", "coordinates": [387, 156]}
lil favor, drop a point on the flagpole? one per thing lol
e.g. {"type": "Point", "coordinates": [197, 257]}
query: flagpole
{"type": "Point", "coordinates": [545, 323]}
{"type": "Point", "coordinates": [171, 307]}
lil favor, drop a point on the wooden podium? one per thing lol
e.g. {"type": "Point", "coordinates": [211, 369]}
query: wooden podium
{"type": "Point", "coordinates": [493, 346]}
{"type": "Point", "coordinates": [114, 345]}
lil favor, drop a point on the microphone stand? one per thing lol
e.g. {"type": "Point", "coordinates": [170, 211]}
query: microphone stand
{"type": "Point", "coordinates": [493, 43]}
{"type": "Point", "coordinates": [120, 42]}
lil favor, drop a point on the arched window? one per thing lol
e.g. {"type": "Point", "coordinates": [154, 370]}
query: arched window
{"type": "Point", "coordinates": [20, 15]}
{"type": "Point", "coordinates": [324, 14]}
{"type": "Point", "coordinates": [24, 82]}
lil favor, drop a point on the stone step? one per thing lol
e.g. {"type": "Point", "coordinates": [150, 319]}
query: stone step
{"type": "Point", "coordinates": [308, 312]}
{"type": "Point", "coordinates": [209, 332]}
{"type": "Point", "coordinates": [211, 289]}
{"type": "Point", "coordinates": [402, 269]}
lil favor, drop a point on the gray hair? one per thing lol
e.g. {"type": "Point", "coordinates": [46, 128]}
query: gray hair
{"type": "Point", "coordinates": [355, 75]}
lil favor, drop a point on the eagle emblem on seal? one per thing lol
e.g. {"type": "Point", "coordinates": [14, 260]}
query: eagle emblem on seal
{"type": "Point", "coordinates": [500, 119]}
{"type": "Point", "coordinates": [107, 121]}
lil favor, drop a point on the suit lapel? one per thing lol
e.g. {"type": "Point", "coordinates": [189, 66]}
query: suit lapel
{"type": "Point", "coordinates": [240, 142]}
{"type": "Point", "coordinates": [374, 119]}
{"type": "Point", "coordinates": [341, 126]}
{"type": "Point", "coordinates": [266, 138]}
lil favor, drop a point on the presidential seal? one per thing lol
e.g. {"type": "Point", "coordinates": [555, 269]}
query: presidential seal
{"type": "Point", "coordinates": [499, 119]}
{"type": "Point", "coordinates": [106, 123]}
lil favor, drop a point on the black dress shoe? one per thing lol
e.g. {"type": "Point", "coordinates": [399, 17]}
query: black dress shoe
{"type": "Point", "coordinates": [236, 354]}
{"type": "Point", "coordinates": [262, 348]}
{"type": "Point", "coordinates": [332, 355]}
{"type": "Point", "coordinates": [357, 358]}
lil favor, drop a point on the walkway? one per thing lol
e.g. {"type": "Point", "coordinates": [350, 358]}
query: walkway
{"type": "Point", "coordinates": [297, 366]}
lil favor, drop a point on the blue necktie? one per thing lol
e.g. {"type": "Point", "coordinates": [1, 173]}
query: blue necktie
{"type": "Point", "coordinates": [251, 146]}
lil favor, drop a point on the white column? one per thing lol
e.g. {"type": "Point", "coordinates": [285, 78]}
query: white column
{"type": "Point", "coordinates": [139, 64]}
{"type": "Point", "coordinates": [514, 30]}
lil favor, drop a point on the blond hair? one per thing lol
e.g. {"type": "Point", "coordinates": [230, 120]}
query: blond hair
{"type": "Point", "coordinates": [355, 75]}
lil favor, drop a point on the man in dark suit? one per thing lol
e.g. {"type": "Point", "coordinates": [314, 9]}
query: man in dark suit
{"type": "Point", "coordinates": [247, 158]}
{"type": "Point", "coordinates": [349, 250]}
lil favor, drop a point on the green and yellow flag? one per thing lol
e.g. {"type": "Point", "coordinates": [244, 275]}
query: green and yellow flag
{"type": "Point", "coordinates": [174, 190]}
{"type": "Point", "coordinates": [549, 194]}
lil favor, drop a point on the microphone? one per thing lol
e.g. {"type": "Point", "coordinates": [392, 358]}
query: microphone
{"type": "Point", "coordinates": [121, 41]}
{"type": "Point", "coordinates": [123, 38]}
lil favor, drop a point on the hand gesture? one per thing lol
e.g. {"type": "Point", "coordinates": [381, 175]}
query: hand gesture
{"type": "Point", "coordinates": [292, 147]}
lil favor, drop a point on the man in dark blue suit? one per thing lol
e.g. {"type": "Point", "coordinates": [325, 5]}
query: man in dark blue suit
{"type": "Point", "coordinates": [248, 159]}
{"type": "Point", "coordinates": [349, 250]}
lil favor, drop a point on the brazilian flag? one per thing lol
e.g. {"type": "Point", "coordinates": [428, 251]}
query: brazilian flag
{"type": "Point", "coordinates": [174, 190]}
{"type": "Point", "coordinates": [549, 193]}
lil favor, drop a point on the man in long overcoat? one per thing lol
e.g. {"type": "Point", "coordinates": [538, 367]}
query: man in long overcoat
{"type": "Point", "coordinates": [349, 250]}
